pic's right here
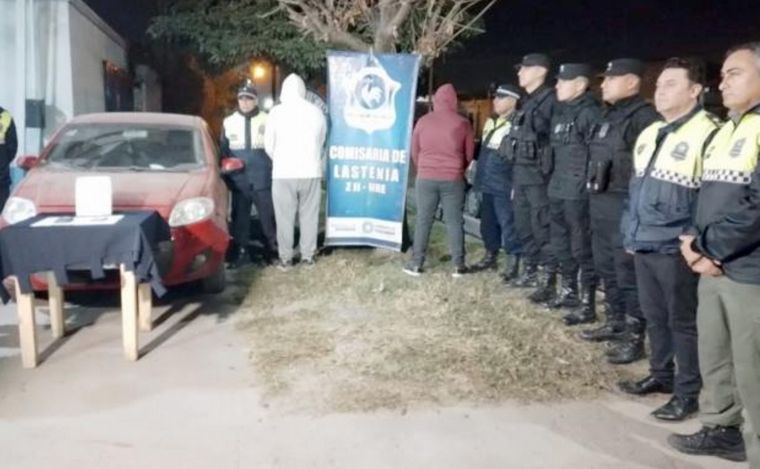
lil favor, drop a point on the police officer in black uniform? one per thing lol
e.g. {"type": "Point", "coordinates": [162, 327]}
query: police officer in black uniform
{"type": "Point", "coordinates": [242, 137]}
{"type": "Point", "coordinates": [610, 169]}
{"type": "Point", "coordinates": [528, 146]}
{"type": "Point", "coordinates": [576, 113]}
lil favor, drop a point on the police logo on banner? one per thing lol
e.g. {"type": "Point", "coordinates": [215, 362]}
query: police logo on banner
{"type": "Point", "coordinates": [680, 151]}
{"type": "Point", "coordinates": [371, 93]}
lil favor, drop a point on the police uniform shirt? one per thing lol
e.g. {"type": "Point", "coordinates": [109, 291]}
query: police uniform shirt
{"type": "Point", "coordinates": [243, 137]}
{"type": "Point", "coordinates": [572, 124]}
{"type": "Point", "coordinates": [667, 173]}
{"type": "Point", "coordinates": [728, 211]}
{"type": "Point", "coordinates": [245, 133]}
{"type": "Point", "coordinates": [536, 114]}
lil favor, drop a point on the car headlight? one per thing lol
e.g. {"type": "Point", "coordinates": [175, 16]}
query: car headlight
{"type": "Point", "coordinates": [18, 209]}
{"type": "Point", "coordinates": [191, 211]}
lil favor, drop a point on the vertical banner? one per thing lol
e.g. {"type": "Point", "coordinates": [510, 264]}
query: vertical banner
{"type": "Point", "coordinates": [371, 102]}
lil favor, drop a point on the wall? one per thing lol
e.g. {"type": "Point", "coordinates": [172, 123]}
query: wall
{"type": "Point", "coordinates": [92, 42]}
{"type": "Point", "coordinates": [37, 40]}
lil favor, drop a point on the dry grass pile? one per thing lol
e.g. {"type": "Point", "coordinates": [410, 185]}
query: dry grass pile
{"type": "Point", "coordinates": [355, 333]}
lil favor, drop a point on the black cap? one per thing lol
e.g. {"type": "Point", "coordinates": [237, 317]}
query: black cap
{"type": "Point", "coordinates": [530, 60]}
{"type": "Point", "coordinates": [573, 71]}
{"type": "Point", "coordinates": [620, 67]}
{"type": "Point", "coordinates": [247, 89]}
{"type": "Point", "coordinates": [507, 90]}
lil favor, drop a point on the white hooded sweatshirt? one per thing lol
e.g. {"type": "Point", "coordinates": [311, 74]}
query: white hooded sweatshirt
{"type": "Point", "coordinates": [295, 134]}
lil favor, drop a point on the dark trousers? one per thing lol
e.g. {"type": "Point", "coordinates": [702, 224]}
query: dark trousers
{"type": "Point", "coordinates": [612, 264]}
{"type": "Point", "coordinates": [450, 194]}
{"type": "Point", "coordinates": [668, 298]}
{"type": "Point", "coordinates": [4, 193]}
{"type": "Point", "coordinates": [497, 224]}
{"type": "Point", "coordinates": [241, 217]}
{"type": "Point", "coordinates": [570, 228]}
{"type": "Point", "coordinates": [531, 205]}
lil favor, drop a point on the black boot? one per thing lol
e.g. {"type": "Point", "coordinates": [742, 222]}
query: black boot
{"type": "Point", "coordinates": [547, 288]}
{"type": "Point", "coordinates": [586, 312]}
{"type": "Point", "coordinates": [528, 278]}
{"type": "Point", "coordinates": [631, 346]}
{"type": "Point", "coordinates": [512, 269]}
{"type": "Point", "coordinates": [627, 350]}
{"type": "Point", "coordinates": [568, 294]}
{"type": "Point", "coordinates": [488, 261]}
{"type": "Point", "coordinates": [612, 329]}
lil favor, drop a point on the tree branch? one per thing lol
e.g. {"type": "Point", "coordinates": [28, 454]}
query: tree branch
{"type": "Point", "coordinates": [317, 19]}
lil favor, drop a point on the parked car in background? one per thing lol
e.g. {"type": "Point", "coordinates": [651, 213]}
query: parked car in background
{"type": "Point", "coordinates": [163, 162]}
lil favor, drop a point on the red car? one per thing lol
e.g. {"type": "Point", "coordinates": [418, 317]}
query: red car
{"type": "Point", "coordinates": [163, 162]}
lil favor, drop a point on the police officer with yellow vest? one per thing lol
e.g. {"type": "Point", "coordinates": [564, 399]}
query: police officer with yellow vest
{"type": "Point", "coordinates": [725, 250]}
{"type": "Point", "coordinates": [576, 113]}
{"type": "Point", "coordinates": [610, 169]}
{"type": "Point", "coordinates": [8, 147]}
{"type": "Point", "coordinates": [663, 192]}
{"type": "Point", "coordinates": [243, 137]}
{"type": "Point", "coordinates": [493, 179]}
{"type": "Point", "coordinates": [528, 146]}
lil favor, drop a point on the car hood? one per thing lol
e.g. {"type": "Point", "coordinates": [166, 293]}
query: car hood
{"type": "Point", "coordinates": [52, 190]}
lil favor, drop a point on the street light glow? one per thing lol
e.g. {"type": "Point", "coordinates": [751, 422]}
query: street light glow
{"type": "Point", "coordinates": [258, 71]}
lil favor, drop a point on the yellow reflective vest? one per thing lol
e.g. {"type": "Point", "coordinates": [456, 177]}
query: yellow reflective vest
{"type": "Point", "coordinates": [663, 190]}
{"type": "Point", "coordinates": [728, 210]}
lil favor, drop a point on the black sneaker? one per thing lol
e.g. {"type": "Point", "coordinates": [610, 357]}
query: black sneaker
{"type": "Point", "coordinates": [723, 442]}
{"type": "Point", "coordinates": [412, 269]}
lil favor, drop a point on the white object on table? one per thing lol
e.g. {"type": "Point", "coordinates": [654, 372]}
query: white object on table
{"type": "Point", "coordinates": [93, 196]}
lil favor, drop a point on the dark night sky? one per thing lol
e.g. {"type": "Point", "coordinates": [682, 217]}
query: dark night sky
{"type": "Point", "coordinates": [596, 31]}
{"type": "Point", "coordinates": [570, 30]}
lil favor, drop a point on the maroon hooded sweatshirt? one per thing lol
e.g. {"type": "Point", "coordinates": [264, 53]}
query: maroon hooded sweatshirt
{"type": "Point", "coordinates": [442, 141]}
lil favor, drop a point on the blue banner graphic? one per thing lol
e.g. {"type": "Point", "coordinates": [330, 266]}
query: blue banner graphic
{"type": "Point", "coordinates": [371, 102]}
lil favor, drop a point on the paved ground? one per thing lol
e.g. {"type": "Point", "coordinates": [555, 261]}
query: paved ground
{"type": "Point", "coordinates": [192, 402]}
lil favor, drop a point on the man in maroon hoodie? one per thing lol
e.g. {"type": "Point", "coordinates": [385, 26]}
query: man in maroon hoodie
{"type": "Point", "coordinates": [442, 147]}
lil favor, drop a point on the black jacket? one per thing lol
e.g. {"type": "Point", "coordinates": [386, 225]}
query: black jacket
{"type": "Point", "coordinates": [611, 144]}
{"type": "Point", "coordinates": [728, 208]}
{"type": "Point", "coordinates": [572, 123]}
{"type": "Point", "coordinates": [528, 140]}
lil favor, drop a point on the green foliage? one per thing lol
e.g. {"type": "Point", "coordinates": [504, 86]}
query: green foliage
{"type": "Point", "coordinates": [228, 33]}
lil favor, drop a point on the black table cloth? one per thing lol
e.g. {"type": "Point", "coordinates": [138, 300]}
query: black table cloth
{"type": "Point", "coordinates": [27, 249]}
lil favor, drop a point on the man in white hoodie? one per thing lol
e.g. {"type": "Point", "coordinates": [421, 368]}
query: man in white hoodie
{"type": "Point", "coordinates": [294, 138]}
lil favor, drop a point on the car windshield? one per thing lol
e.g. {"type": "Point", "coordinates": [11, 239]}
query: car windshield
{"type": "Point", "coordinates": [129, 147]}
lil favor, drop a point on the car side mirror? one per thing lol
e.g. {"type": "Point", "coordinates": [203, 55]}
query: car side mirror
{"type": "Point", "coordinates": [28, 162]}
{"type": "Point", "coordinates": [232, 165]}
